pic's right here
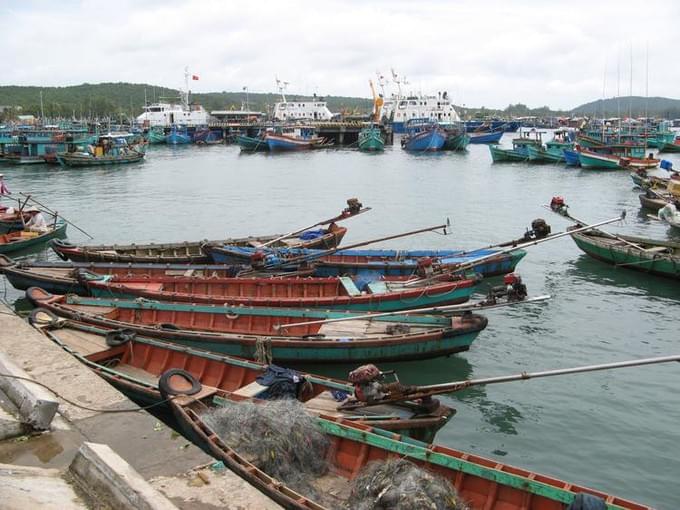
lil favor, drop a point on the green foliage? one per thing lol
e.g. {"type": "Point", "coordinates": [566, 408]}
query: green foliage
{"type": "Point", "coordinates": [637, 105]}
{"type": "Point", "coordinates": [127, 99]}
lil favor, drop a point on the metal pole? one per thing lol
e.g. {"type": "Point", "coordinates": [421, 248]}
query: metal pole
{"type": "Point", "coordinates": [466, 307]}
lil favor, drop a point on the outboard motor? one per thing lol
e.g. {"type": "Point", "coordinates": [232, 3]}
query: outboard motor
{"type": "Point", "coordinates": [257, 260]}
{"type": "Point", "coordinates": [512, 289]}
{"type": "Point", "coordinates": [539, 230]}
{"type": "Point", "coordinates": [353, 207]}
{"type": "Point", "coordinates": [367, 383]}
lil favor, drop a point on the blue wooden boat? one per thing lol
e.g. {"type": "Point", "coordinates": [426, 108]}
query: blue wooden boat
{"type": "Point", "coordinates": [479, 126]}
{"type": "Point", "coordinates": [423, 135]}
{"type": "Point", "coordinates": [243, 330]}
{"type": "Point", "coordinates": [178, 136]}
{"type": "Point", "coordinates": [370, 265]}
{"type": "Point", "coordinates": [293, 139]}
{"type": "Point", "coordinates": [206, 136]}
{"type": "Point", "coordinates": [571, 157]}
{"type": "Point", "coordinates": [483, 137]}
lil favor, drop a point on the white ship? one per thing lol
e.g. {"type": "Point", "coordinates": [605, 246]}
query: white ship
{"type": "Point", "coordinates": [165, 114]}
{"type": "Point", "coordinates": [399, 108]}
{"type": "Point", "coordinates": [314, 109]}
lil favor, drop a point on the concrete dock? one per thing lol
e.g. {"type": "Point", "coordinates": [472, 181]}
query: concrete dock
{"type": "Point", "coordinates": [94, 458]}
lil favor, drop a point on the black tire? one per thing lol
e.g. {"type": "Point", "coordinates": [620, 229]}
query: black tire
{"type": "Point", "coordinates": [169, 325]}
{"type": "Point", "coordinates": [119, 337]}
{"type": "Point", "coordinates": [42, 317]}
{"type": "Point", "coordinates": [166, 388]}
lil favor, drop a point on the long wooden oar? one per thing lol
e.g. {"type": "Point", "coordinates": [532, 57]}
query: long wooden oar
{"type": "Point", "coordinates": [565, 214]}
{"type": "Point", "coordinates": [335, 219]}
{"type": "Point", "coordinates": [324, 253]}
{"type": "Point", "coordinates": [440, 310]}
{"type": "Point", "coordinates": [480, 260]}
{"type": "Point", "coordinates": [418, 392]}
{"type": "Point", "coordinates": [54, 213]}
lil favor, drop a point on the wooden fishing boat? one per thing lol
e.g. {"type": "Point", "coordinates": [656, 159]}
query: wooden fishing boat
{"type": "Point", "coordinates": [520, 145]}
{"type": "Point", "coordinates": [178, 136]}
{"type": "Point", "coordinates": [241, 331]}
{"type": "Point", "coordinates": [480, 482]}
{"type": "Point", "coordinates": [371, 140]}
{"type": "Point", "coordinates": [490, 137]}
{"type": "Point", "coordinates": [423, 135]}
{"type": "Point", "coordinates": [252, 143]}
{"type": "Point", "coordinates": [68, 277]}
{"type": "Point", "coordinates": [456, 140]}
{"type": "Point", "coordinates": [672, 146]}
{"type": "Point", "coordinates": [652, 256]}
{"type": "Point", "coordinates": [12, 220]}
{"type": "Point", "coordinates": [292, 139]}
{"type": "Point", "coordinates": [591, 159]}
{"type": "Point", "coordinates": [22, 239]}
{"type": "Point", "coordinates": [571, 157]}
{"type": "Point", "coordinates": [373, 264]}
{"type": "Point", "coordinates": [190, 252]}
{"type": "Point", "coordinates": [156, 135]}
{"type": "Point", "coordinates": [135, 366]}
{"type": "Point", "coordinates": [332, 293]}
{"type": "Point", "coordinates": [112, 149]}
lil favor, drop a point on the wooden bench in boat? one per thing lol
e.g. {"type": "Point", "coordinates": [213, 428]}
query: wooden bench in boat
{"type": "Point", "coordinates": [656, 249]}
{"type": "Point", "coordinates": [250, 390]}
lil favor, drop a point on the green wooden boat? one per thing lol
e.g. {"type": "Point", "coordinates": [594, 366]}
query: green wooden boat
{"type": "Point", "coordinates": [244, 331]}
{"type": "Point", "coordinates": [660, 258]}
{"type": "Point", "coordinates": [456, 142]}
{"type": "Point", "coordinates": [499, 155]}
{"type": "Point", "coordinates": [135, 366]}
{"type": "Point", "coordinates": [22, 239]}
{"type": "Point", "coordinates": [480, 483]}
{"type": "Point", "coordinates": [590, 159]}
{"type": "Point", "coordinates": [671, 146]}
{"type": "Point", "coordinates": [156, 136]}
{"type": "Point", "coordinates": [371, 140]}
{"type": "Point", "coordinates": [252, 143]}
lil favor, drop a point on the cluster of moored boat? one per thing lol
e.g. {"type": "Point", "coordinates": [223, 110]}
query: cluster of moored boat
{"type": "Point", "coordinates": [195, 326]}
{"type": "Point", "coordinates": [590, 148]}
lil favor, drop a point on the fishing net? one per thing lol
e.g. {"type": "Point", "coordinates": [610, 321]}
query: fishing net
{"type": "Point", "coordinates": [400, 484]}
{"type": "Point", "coordinates": [278, 436]}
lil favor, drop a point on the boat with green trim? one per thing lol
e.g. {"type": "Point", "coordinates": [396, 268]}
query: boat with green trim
{"type": "Point", "coordinates": [331, 293]}
{"type": "Point", "coordinates": [601, 161]}
{"type": "Point", "coordinates": [371, 140]}
{"type": "Point", "coordinates": [670, 146]}
{"type": "Point", "coordinates": [243, 331]}
{"type": "Point", "coordinates": [252, 143]}
{"type": "Point", "coordinates": [519, 151]}
{"type": "Point", "coordinates": [156, 135]}
{"type": "Point", "coordinates": [111, 149]}
{"type": "Point", "coordinates": [23, 239]}
{"type": "Point", "coordinates": [652, 256]}
{"type": "Point", "coordinates": [479, 483]}
{"type": "Point", "coordinates": [135, 365]}
{"type": "Point", "coordinates": [456, 140]}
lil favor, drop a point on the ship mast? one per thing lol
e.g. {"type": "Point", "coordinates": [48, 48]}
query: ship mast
{"type": "Point", "coordinates": [184, 95]}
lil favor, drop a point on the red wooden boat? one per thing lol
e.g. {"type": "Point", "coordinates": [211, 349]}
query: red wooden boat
{"type": "Point", "coordinates": [336, 293]}
{"type": "Point", "coordinates": [135, 366]}
{"type": "Point", "coordinates": [242, 331]}
{"type": "Point", "coordinates": [482, 483]}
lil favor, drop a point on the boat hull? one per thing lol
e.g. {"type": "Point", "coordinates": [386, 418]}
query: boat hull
{"type": "Point", "coordinates": [10, 247]}
{"type": "Point", "coordinates": [82, 160]}
{"type": "Point", "coordinates": [432, 339]}
{"type": "Point", "coordinates": [371, 140]}
{"type": "Point", "coordinates": [499, 155]}
{"type": "Point", "coordinates": [626, 256]}
{"type": "Point", "coordinates": [491, 137]}
{"type": "Point", "coordinates": [425, 141]}
{"type": "Point", "coordinates": [571, 157]}
{"type": "Point", "coordinates": [252, 143]}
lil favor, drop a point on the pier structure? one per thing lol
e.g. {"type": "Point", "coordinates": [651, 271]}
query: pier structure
{"type": "Point", "coordinates": [104, 452]}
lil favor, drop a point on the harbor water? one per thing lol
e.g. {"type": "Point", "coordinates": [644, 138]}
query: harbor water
{"type": "Point", "coordinates": [615, 431]}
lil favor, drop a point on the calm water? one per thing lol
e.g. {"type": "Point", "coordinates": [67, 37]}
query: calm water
{"type": "Point", "coordinates": [616, 431]}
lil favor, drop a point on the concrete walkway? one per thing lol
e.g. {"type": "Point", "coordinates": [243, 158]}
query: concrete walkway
{"type": "Point", "coordinates": [153, 450]}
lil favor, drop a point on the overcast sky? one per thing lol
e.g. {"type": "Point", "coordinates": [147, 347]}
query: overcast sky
{"type": "Point", "coordinates": [485, 53]}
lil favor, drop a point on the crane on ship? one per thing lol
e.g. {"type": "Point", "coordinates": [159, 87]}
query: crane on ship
{"type": "Point", "coordinates": [377, 103]}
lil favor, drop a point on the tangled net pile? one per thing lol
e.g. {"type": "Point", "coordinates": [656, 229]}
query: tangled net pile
{"type": "Point", "coordinates": [400, 484]}
{"type": "Point", "coordinates": [278, 436]}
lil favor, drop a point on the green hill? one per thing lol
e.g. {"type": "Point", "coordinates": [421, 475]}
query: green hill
{"type": "Point", "coordinates": [639, 106]}
{"type": "Point", "coordinates": [127, 99]}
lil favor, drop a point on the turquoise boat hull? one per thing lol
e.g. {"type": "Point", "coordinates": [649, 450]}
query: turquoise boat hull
{"type": "Point", "coordinates": [59, 231]}
{"type": "Point", "coordinates": [371, 140]}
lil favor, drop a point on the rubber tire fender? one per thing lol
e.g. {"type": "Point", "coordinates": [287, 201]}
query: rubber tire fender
{"type": "Point", "coordinates": [34, 320]}
{"type": "Point", "coordinates": [166, 389]}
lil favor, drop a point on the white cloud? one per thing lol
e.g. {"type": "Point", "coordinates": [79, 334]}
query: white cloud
{"type": "Point", "coordinates": [487, 53]}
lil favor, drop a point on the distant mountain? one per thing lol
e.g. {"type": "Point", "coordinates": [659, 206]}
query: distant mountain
{"type": "Point", "coordinates": [652, 107]}
{"type": "Point", "coordinates": [127, 99]}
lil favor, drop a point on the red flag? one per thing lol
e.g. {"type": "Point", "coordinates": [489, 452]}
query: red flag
{"type": "Point", "coordinates": [194, 77]}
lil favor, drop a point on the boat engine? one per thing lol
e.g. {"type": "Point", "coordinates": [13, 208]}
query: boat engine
{"type": "Point", "coordinates": [425, 267]}
{"type": "Point", "coordinates": [558, 205]}
{"type": "Point", "coordinates": [512, 290]}
{"type": "Point", "coordinates": [367, 380]}
{"type": "Point", "coordinates": [353, 207]}
{"type": "Point", "coordinates": [539, 230]}
{"type": "Point", "coordinates": [257, 260]}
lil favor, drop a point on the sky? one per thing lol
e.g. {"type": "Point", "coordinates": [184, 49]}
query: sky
{"type": "Point", "coordinates": [484, 53]}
